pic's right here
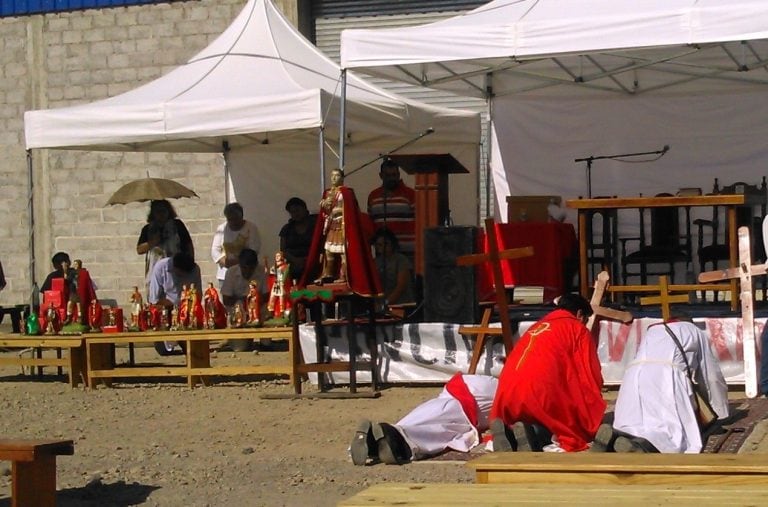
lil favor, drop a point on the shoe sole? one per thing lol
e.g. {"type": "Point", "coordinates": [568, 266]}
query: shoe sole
{"type": "Point", "coordinates": [386, 454]}
{"type": "Point", "coordinates": [602, 439]}
{"type": "Point", "coordinates": [624, 444]}
{"type": "Point", "coordinates": [359, 446]}
{"type": "Point", "coordinates": [523, 436]}
{"type": "Point", "coordinates": [501, 441]}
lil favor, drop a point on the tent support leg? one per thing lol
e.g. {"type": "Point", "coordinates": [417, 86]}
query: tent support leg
{"type": "Point", "coordinates": [343, 119]}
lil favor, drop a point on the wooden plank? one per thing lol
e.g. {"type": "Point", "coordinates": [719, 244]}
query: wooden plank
{"type": "Point", "coordinates": [28, 450]}
{"type": "Point", "coordinates": [34, 361]}
{"type": "Point", "coordinates": [225, 371]}
{"type": "Point", "coordinates": [747, 314]}
{"type": "Point", "coordinates": [482, 495]}
{"type": "Point", "coordinates": [22, 343]}
{"type": "Point", "coordinates": [152, 371]}
{"type": "Point", "coordinates": [617, 468]}
{"type": "Point", "coordinates": [656, 202]}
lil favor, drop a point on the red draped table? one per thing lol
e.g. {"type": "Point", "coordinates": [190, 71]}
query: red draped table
{"type": "Point", "coordinates": [555, 247]}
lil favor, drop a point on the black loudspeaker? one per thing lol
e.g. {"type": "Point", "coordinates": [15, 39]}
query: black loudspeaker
{"type": "Point", "coordinates": [450, 291]}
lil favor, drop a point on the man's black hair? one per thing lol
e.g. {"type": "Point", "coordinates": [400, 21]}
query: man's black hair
{"type": "Point", "coordinates": [235, 207]}
{"type": "Point", "coordinates": [388, 162]}
{"type": "Point", "coordinates": [184, 262]}
{"type": "Point", "coordinates": [248, 257]}
{"type": "Point", "coordinates": [58, 258]}
{"type": "Point", "coordinates": [295, 201]}
{"type": "Point", "coordinates": [573, 303]}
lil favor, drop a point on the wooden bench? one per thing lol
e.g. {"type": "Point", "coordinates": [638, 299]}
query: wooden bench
{"type": "Point", "coordinates": [34, 469]}
{"type": "Point", "coordinates": [487, 495]}
{"type": "Point", "coordinates": [101, 361]}
{"type": "Point", "coordinates": [620, 468]}
{"type": "Point", "coordinates": [74, 361]}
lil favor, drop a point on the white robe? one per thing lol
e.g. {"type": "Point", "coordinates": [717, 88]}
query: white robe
{"type": "Point", "coordinates": [440, 423]}
{"type": "Point", "coordinates": [655, 399]}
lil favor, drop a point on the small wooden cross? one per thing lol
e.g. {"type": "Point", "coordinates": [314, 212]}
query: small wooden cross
{"type": "Point", "coordinates": [494, 257]}
{"type": "Point", "coordinates": [665, 299]}
{"type": "Point", "coordinates": [601, 284]}
{"type": "Point", "coordinates": [744, 272]}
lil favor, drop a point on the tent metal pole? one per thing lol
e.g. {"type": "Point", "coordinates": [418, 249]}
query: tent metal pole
{"type": "Point", "coordinates": [34, 296]}
{"type": "Point", "coordinates": [322, 159]}
{"type": "Point", "coordinates": [225, 152]}
{"type": "Point", "coordinates": [343, 118]}
{"type": "Point", "coordinates": [489, 150]}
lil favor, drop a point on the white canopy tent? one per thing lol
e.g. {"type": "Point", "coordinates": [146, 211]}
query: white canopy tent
{"type": "Point", "coordinates": [569, 80]}
{"type": "Point", "coordinates": [269, 100]}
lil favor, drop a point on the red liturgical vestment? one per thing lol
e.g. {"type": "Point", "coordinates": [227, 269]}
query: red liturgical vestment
{"type": "Point", "coordinates": [552, 377]}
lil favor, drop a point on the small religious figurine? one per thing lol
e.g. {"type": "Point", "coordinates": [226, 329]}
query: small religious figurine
{"type": "Point", "coordinates": [52, 322]}
{"type": "Point", "coordinates": [183, 316]}
{"type": "Point", "coordinates": [253, 303]}
{"type": "Point", "coordinates": [137, 303]}
{"type": "Point", "coordinates": [94, 316]}
{"type": "Point", "coordinates": [215, 314]}
{"type": "Point", "coordinates": [111, 317]}
{"type": "Point", "coordinates": [174, 319]}
{"type": "Point", "coordinates": [32, 327]}
{"type": "Point", "coordinates": [155, 317]}
{"type": "Point", "coordinates": [196, 318]}
{"type": "Point", "coordinates": [332, 210]}
{"type": "Point", "coordinates": [281, 287]}
{"type": "Point", "coordinates": [74, 306]}
{"type": "Point", "coordinates": [237, 318]}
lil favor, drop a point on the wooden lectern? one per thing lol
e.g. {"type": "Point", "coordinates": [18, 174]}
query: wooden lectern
{"type": "Point", "coordinates": [431, 186]}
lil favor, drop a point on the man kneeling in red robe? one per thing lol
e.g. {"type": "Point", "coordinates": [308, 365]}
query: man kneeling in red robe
{"type": "Point", "coordinates": [551, 384]}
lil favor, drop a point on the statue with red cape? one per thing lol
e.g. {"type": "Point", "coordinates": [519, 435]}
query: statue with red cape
{"type": "Point", "coordinates": [340, 244]}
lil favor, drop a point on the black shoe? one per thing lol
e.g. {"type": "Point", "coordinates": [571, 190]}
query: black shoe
{"type": "Point", "coordinates": [525, 437]}
{"type": "Point", "coordinates": [503, 439]}
{"type": "Point", "coordinates": [392, 447]}
{"type": "Point", "coordinates": [363, 444]}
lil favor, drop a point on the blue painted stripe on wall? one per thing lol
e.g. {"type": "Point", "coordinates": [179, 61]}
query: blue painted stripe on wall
{"type": "Point", "coordinates": [25, 7]}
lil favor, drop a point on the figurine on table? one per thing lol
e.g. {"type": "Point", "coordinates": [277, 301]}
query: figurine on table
{"type": "Point", "coordinates": [215, 314]}
{"type": "Point", "coordinates": [340, 243]}
{"type": "Point", "coordinates": [32, 327]}
{"type": "Point", "coordinates": [183, 313]}
{"type": "Point", "coordinates": [196, 316]}
{"type": "Point", "coordinates": [73, 283]}
{"type": "Point", "coordinates": [278, 302]}
{"type": "Point", "coordinates": [237, 319]}
{"type": "Point", "coordinates": [52, 322]}
{"type": "Point", "coordinates": [137, 303]}
{"type": "Point", "coordinates": [253, 301]}
{"type": "Point", "coordinates": [94, 316]}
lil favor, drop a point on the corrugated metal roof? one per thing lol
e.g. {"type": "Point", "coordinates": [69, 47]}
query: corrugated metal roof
{"type": "Point", "coordinates": [353, 8]}
{"type": "Point", "coordinates": [26, 7]}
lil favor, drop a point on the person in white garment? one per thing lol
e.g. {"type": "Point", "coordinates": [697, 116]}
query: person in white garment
{"type": "Point", "coordinates": [655, 400]}
{"type": "Point", "coordinates": [231, 237]}
{"type": "Point", "coordinates": [455, 420]}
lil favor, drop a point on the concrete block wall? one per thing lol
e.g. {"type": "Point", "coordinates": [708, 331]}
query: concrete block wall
{"type": "Point", "coordinates": [62, 59]}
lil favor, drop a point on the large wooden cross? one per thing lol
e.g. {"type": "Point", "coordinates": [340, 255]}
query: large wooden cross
{"type": "Point", "coordinates": [744, 272]}
{"type": "Point", "coordinates": [494, 257]}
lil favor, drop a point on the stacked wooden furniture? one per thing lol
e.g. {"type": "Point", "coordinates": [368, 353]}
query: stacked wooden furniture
{"type": "Point", "coordinates": [34, 469]}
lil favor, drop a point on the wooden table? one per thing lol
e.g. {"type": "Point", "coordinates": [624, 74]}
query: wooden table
{"type": "Point", "coordinates": [75, 361]}
{"type": "Point", "coordinates": [584, 206]}
{"type": "Point", "coordinates": [100, 356]}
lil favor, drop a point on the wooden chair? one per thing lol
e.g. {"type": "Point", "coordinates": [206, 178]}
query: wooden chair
{"type": "Point", "coordinates": [667, 245]}
{"type": "Point", "coordinates": [602, 241]}
{"type": "Point", "coordinates": [718, 249]}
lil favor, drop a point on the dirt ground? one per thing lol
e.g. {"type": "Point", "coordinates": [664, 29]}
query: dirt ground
{"type": "Point", "coordinates": [160, 443]}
